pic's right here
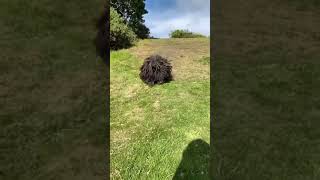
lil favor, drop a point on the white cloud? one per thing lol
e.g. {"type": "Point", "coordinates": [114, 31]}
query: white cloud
{"type": "Point", "coordinates": [162, 27]}
{"type": "Point", "coordinates": [193, 5]}
{"type": "Point", "coordinates": [193, 15]}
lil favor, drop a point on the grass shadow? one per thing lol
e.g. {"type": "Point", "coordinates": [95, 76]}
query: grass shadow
{"type": "Point", "coordinates": [195, 161]}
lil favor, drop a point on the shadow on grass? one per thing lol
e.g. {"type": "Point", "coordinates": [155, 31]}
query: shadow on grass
{"type": "Point", "coordinates": [195, 161]}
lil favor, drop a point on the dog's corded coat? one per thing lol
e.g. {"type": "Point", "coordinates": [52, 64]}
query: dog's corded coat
{"type": "Point", "coordinates": [156, 70]}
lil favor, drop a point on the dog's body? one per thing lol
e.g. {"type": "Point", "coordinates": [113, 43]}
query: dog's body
{"type": "Point", "coordinates": [156, 70]}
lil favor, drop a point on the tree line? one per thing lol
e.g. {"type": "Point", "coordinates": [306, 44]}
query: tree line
{"type": "Point", "coordinates": [127, 23]}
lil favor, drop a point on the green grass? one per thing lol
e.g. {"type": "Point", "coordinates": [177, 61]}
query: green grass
{"type": "Point", "coordinates": [266, 93]}
{"type": "Point", "coordinates": [52, 91]}
{"type": "Point", "coordinates": [153, 129]}
{"type": "Point", "coordinates": [266, 121]}
{"type": "Point", "coordinates": [205, 60]}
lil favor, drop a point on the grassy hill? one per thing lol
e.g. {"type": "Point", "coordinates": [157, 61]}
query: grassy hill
{"type": "Point", "coordinates": [266, 90]}
{"type": "Point", "coordinates": [52, 91]}
{"type": "Point", "coordinates": [154, 131]}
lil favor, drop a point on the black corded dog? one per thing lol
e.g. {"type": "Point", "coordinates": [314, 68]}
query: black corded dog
{"type": "Point", "coordinates": [156, 70]}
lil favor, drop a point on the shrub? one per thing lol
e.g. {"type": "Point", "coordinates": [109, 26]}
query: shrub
{"type": "Point", "coordinates": [180, 33]}
{"type": "Point", "coordinates": [121, 36]}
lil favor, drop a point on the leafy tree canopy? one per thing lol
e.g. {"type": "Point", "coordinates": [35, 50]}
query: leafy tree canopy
{"type": "Point", "coordinates": [132, 12]}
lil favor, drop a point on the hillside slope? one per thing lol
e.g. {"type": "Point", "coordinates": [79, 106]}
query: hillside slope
{"type": "Point", "coordinates": [154, 131]}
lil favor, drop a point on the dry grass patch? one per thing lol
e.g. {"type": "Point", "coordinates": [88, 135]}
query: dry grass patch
{"type": "Point", "coordinates": [182, 53]}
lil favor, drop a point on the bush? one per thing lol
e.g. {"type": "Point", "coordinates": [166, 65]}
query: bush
{"type": "Point", "coordinates": [121, 36]}
{"type": "Point", "coordinates": [185, 34]}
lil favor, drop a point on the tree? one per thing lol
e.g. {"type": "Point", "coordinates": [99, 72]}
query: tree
{"type": "Point", "coordinates": [121, 35]}
{"type": "Point", "coordinates": [141, 31]}
{"type": "Point", "coordinates": [132, 12]}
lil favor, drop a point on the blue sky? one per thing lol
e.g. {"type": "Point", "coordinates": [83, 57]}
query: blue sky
{"type": "Point", "coordinates": [167, 15]}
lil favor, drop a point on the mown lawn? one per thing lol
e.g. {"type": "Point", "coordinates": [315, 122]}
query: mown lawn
{"type": "Point", "coordinates": [52, 91]}
{"type": "Point", "coordinates": [161, 132]}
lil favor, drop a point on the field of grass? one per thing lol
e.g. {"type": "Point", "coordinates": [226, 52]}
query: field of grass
{"type": "Point", "coordinates": [266, 91]}
{"type": "Point", "coordinates": [161, 132]}
{"type": "Point", "coordinates": [52, 91]}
